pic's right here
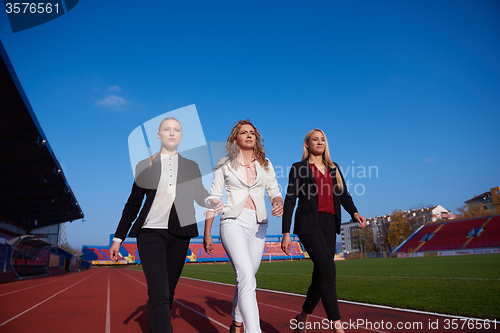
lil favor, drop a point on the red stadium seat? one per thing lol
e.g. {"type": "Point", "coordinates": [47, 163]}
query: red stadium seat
{"type": "Point", "coordinates": [452, 236]}
{"type": "Point", "coordinates": [490, 236]}
{"type": "Point", "coordinates": [415, 241]}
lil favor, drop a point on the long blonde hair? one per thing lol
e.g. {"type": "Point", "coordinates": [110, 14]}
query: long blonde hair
{"type": "Point", "coordinates": [233, 150]}
{"type": "Point", "coordinates": [326, 156]}
{"type": "Point", "coordinates": [152, 157]}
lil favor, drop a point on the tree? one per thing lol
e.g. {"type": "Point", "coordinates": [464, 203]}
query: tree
{"type": "Point", "coordinates": [418, 206]}
{"type": "Point", "coordinates": [362, 239]}
{"type": "Point", "coordinates": [470, 211]}
{"type": "Point", "coordinates": [370, 245]}
{"type": "Point", "coordinates": [383, 235]}
{"type": "Point", "coordinates": [399, 228]}
{"type": "Point", "coordinates": [66, 247]}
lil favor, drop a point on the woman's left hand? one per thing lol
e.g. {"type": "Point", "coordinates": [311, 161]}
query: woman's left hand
{"type": "Point", "coordinates": [216, 204]}
{"type": "Point", "coordinates": [277, 206]}
{"type": "Point", "coordinates": [286, 243]}
{"type": "Point", "coordinates": [361, 220]}
{"type": "Point", "coordinates": [208, 244]}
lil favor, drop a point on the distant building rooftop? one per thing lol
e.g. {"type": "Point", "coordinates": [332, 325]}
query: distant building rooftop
{"type": "Point", "coordinates": [481, 197]}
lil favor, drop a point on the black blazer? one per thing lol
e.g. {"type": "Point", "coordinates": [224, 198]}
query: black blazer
{"type": "Point", "coordinates": [302, 184]}
{"type": "Point", "coordinates": [189, 188]}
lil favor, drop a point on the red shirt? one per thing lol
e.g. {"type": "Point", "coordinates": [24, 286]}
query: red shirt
{"type": "Point", "coordinates": [324, 184]}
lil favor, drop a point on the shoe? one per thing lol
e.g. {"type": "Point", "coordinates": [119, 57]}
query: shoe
{"type": "Point", "coordinates": [297, 322]}
{"type": "Point", "coordinates": [231, 327]}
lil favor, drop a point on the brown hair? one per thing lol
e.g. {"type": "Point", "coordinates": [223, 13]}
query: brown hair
{"type": "Point", "coordinates": [233, 150]}
{"type": "Point", "coordinates": [326, 155]}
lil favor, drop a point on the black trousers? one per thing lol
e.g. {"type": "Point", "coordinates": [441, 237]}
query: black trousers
{"type": "Point", "coordinates": [162, 257]}
{"type": "Point", "coordinates": [320, 246]}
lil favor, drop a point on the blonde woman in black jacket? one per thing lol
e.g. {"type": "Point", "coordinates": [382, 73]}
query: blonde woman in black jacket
{"type": "Point", "coordinates": [318, 184]}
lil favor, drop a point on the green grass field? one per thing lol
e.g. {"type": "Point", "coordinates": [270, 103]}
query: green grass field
{"type": "Point", "coordinates": [457, 285]}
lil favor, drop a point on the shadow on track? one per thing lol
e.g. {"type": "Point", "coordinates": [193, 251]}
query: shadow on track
{"type": "Point", "coordinates": [140, 315]}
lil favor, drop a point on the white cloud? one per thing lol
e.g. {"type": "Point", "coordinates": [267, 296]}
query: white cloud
{"type": "Point", "coordinates": [112, 101]}
{"type": "Point", "coordinates": [114, 88]}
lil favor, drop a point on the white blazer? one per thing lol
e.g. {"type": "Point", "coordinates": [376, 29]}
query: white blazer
{"type": "Point", "coordinates": [237, 189]}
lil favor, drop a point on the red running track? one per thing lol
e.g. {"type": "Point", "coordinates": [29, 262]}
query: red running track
{"type": "Point", "coordinates": [115, 300]}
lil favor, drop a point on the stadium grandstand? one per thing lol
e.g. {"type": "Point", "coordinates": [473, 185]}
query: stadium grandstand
{"type": "Point", "coordinates": [36, 196]}
{"type": "Point", "coordinates": [472, 233]}
{"type": "Point", "coordinates": [444, 237]}
{"type": "Point", "coordinates": [99, 255]}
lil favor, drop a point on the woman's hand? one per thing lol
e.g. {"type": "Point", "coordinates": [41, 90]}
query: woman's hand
{"type": "Point", "coordinates": [361, 220]}
{"type": "Point", "coordinates": [277, 206]}
{"type": "Point", "coordinates": [208, 244]}
{"type": "Point", "coordinates": [216, 204]}
{"type": "Point", "coordinates": [114, 250]}
{"type": "Point", "coordinates": [286, 244]}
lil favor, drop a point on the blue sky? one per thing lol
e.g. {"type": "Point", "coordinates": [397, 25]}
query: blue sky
{"type": "Point", "coordinates": [409, 88]}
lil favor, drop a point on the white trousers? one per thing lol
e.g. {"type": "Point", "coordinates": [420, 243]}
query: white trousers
{"type": "Point", "coordinates": [244, 239]}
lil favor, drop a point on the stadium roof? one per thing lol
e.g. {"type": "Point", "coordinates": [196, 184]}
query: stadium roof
{"type": "Point", "coordinates": [34, 191]}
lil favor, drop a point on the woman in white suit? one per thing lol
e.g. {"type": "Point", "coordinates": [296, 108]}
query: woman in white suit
{"type": "Point", "coordinates": [245, 173]}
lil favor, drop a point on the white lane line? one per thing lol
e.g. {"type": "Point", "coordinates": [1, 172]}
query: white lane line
{"type": "Point", "coordinates": [34, 306]}
{"type": "Point", "coordinates": [355, 303]}
{"type": "Point", "coordinates": [385, 277]}
{"type": "Point", "coordinates": [24, 281]}
{"type": "Point", "coordinates": [413, 311]}
{"type": "Point", "coordinates": [35, 286]}
{"type": "Point", "coordinates": [184, 305]}
{"type": "Point", "coordinates": [204, 315]}
{"type": "Point", "coordinates": [418, 277]}
{"type": "Point", "coordinates": [213, 292]}
{"type": "Point", "coordinates": [380, 306]}
{"type": "Point", "coordinates": [108, 311]}
{"type": "Point", "coordinates": [265, 304]}
{"type": "Point", "coordinates": [314, 316]}
{"type": "Point", "coordinates": [133, 278]}
{"type": "Point", "coordinates": [231, 296]}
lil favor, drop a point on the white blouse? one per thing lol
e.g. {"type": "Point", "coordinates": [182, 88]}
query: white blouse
{"type": "Point", "coordinates": [165, 194]}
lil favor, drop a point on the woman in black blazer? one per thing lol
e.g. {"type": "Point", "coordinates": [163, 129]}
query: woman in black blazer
{"type": "Point", "coordinates": [166, 222]}
{"type": "Point", "coordinates": [318, 184]}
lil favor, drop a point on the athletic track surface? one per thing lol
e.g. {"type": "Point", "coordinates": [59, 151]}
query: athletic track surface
{"type": "Point", "coordinates": [115, 300]}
